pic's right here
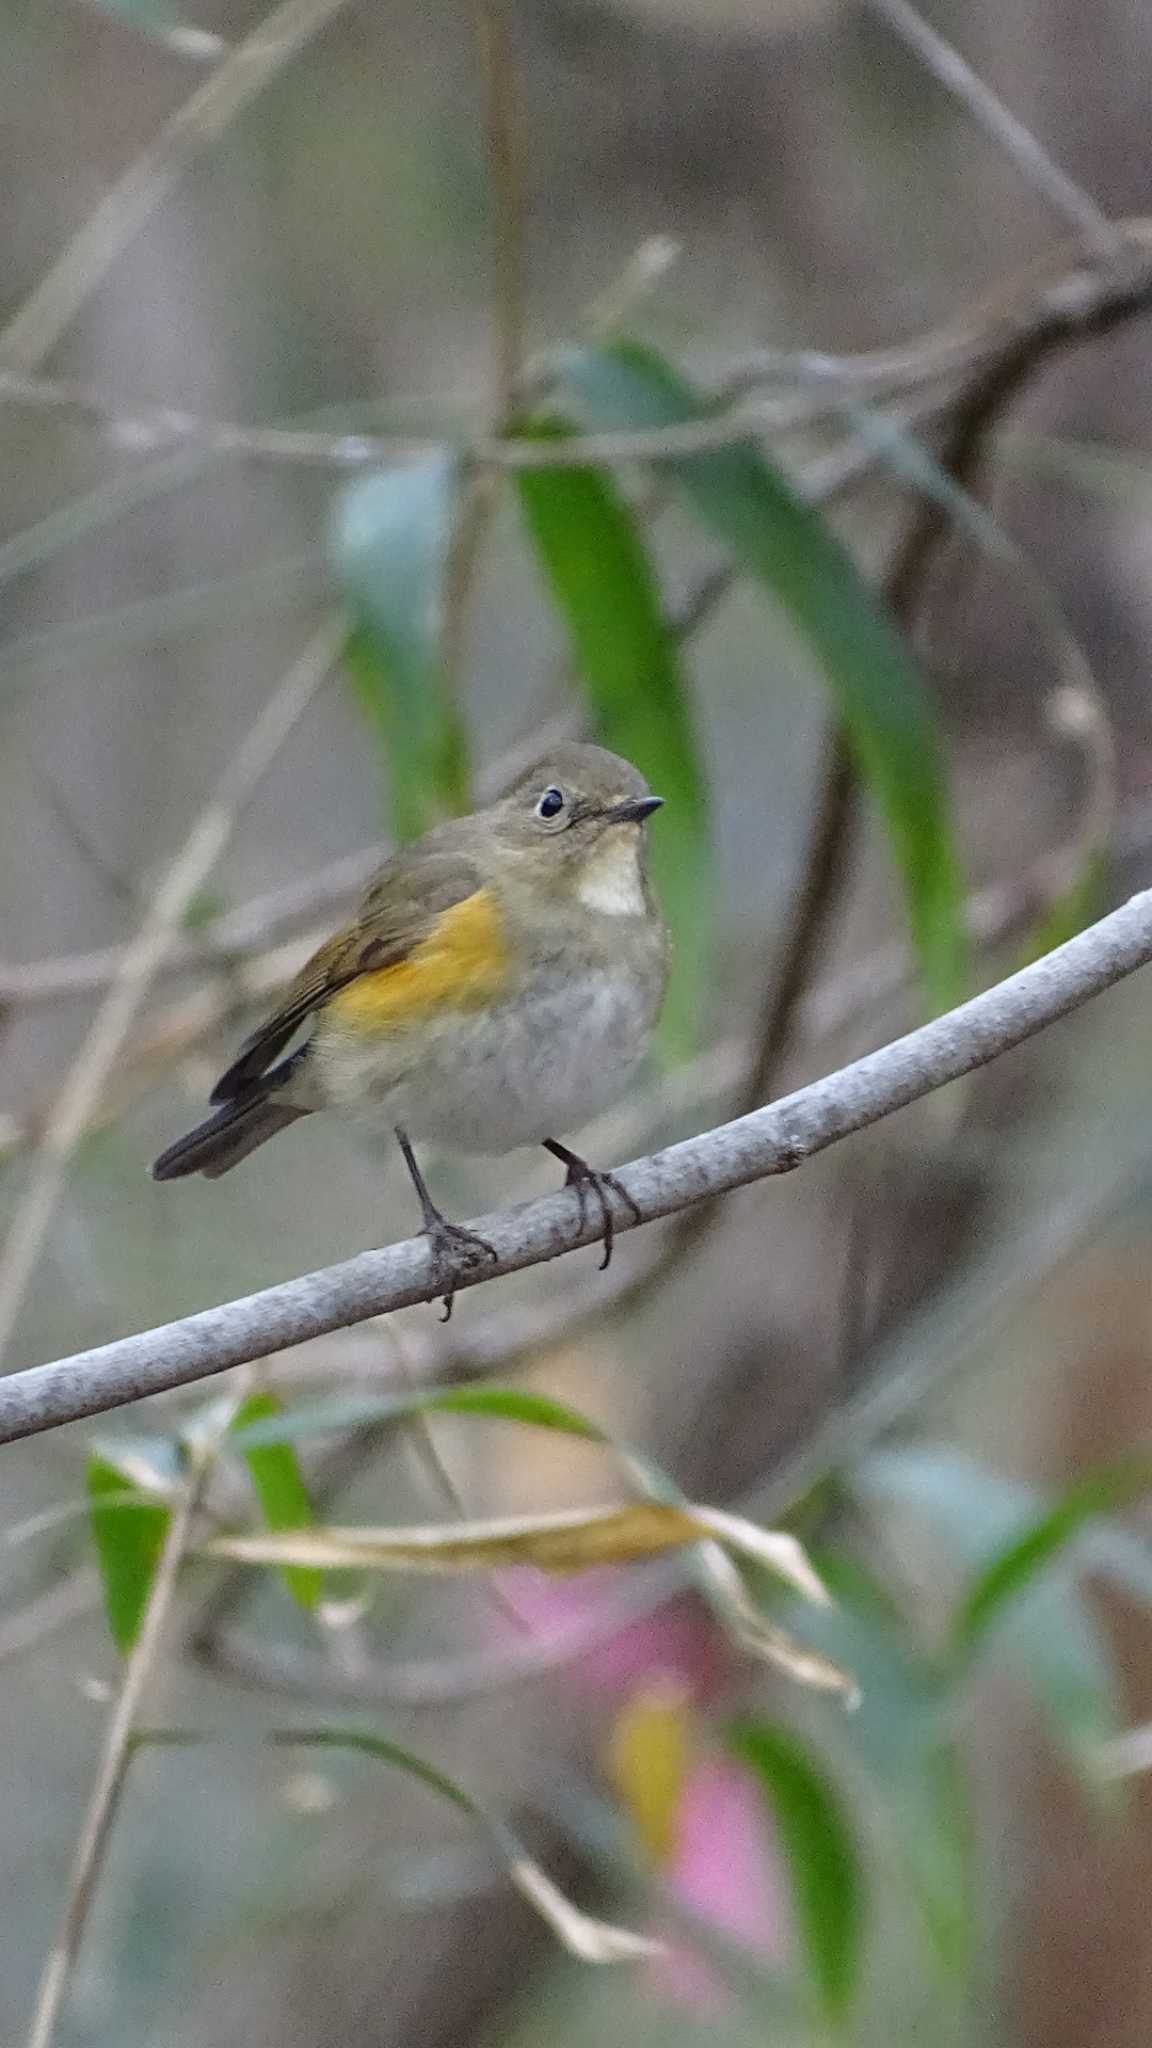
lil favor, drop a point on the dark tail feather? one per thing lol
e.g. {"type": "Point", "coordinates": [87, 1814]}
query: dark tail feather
{"type": "Point", "coordinates": [220, 1143]}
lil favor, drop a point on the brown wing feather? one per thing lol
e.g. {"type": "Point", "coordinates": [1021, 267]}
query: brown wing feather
{"type": "Point", "coordinates": [398, 911]}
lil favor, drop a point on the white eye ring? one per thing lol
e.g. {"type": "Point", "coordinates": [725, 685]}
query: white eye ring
{"type": "Point", "coordinates": [550, 805]}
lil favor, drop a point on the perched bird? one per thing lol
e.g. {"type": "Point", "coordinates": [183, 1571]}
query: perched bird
{"type": "Point", "coordinates": [499, 983]}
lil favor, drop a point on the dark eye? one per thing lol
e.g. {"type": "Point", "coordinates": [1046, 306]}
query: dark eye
{"type": "Point", "coordinates": [550, 804]}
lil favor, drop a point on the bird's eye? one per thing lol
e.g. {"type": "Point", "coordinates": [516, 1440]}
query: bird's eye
{"type": "Point", "coordinates": [550, 804]}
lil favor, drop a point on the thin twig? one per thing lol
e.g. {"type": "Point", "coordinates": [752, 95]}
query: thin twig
{"type": "Point", "coordinates": [248, 68]}
{"type": "Point", "coordinates": [478, 498]}
{"type": "Point", "coordinates": [504, 148]}
{"type": "Point", "coordinates": [96, 1058]}
{"type": "Point", "coordinates": [770, 1141]}
{"type": "Point", "coordinates": [114, 1762]}
{"type": "Point", "coordinates": [1062, 292]}
{"type": "Point", "coordinates": [1027, 152]}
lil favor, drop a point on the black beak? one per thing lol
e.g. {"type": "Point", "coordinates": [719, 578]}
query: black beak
{"type": "Point", "coordinates": [635, 811]}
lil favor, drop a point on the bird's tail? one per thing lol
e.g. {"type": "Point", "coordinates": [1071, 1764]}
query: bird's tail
{"type": "Point", "coordinates": [223, 1140]}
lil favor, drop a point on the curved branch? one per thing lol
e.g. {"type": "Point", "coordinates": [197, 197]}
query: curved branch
{"type": "Point", "coordinates": [770, 1141]}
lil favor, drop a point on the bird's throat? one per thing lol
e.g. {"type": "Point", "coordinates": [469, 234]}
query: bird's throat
{"type": "Point", "coordinates": [610, 880]}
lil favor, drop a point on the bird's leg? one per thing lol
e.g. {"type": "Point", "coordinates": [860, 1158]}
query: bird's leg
{"type": "Point", "coordinates": [587, 1179]}
{"type": "Point", "coordinates": [450, 1242]}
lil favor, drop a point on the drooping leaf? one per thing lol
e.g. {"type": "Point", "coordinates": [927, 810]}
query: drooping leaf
{"type": "Point", "coordinates": [751, 507]}
{"type": "Point", "coordinates": [900, 1743]}
{"type": "Point", "coordinates": [1014, 1570]}
{"type": "Point", "coordinates": [1054, 1644]}
{"type": "Point", "coordinates": [718, 1577]}
{"type": "Point", "coordinates": [602, 583]}
{"type": "Point", "coordinates": [391, 541]}
{"type": "Point", "coordinates": [129, 1519]}
{"type": "Point", "coordinates": [1083, 714]}
{"type": "Point", "coordinates": [498, 1404]}
{"type": "Point", "coordinates": [565, 1542]}
{"type": "Point", "coordinates": [279, 1486]}
{"type": "Point", "coordinates": [593, 1941]}
{"type": "Point", "coordinates": [822, 1856]}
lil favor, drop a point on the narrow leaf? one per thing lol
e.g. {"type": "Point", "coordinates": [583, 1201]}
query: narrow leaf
{"type": "Point", "coordinates": [391, 539]}
{"type": "Point", "coordinates": [751, 507]}
{"type": "Point", "coordinates": [718, 1577]}
{"type": "Point", "coordinates": [761, 1637]}
{"type": "Point", "coordinates": [602, 583]}
{"type": "Point", "coordinates": [129, 1524]}
{"type": "Point", "coordinates": [901, 1742]}
{"type": "Point", "coordinates": [593, 1941]}
{"type": "Point", "coordinates": [499, 1404]}
{"type": "Point", "coordinates": [279, 1485]}
{"type": "Point", "coordinates": [565, 1542]}
{"type": "Point", "coordinates": [1017, 1566]}
{"type": "Point", "coordinates": [1054, 1643]}
{"type": "Point", "coordinates": [827, 1879]}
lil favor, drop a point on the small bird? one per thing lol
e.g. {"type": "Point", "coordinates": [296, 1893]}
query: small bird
{"type": "Point", "coordinates": [499, 983]}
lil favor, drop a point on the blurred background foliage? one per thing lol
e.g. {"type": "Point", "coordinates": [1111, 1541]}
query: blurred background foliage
{"type": "Point", "coordinates": [299, 319]}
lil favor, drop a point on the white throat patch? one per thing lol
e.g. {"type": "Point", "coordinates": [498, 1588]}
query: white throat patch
{"type": "Point", "coordinates": [611, 879]}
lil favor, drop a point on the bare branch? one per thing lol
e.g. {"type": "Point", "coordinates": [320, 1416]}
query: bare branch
{"type": "Point", "coordinates": [504, 144]}
{"type": "Point", "coordinates": [102, 1044]}
{"type": "Point", "coordinates": [771, 1141]}
{"type": "Point", "coordinates": [114, 1762]}
{"type": "Point", "coordinates": [249, 67]}
{"type": "Point", "coordinates": [1064, 292]}
{"type": "Point", "coordinates": [1027, 152]}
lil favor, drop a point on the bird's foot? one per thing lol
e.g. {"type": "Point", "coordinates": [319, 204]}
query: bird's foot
{"type": "Point", "coordinates": [589, 1181]}
{"type": "Point", "coordinates": [453, 1248]}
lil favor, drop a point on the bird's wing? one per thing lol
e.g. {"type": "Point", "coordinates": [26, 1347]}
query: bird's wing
{"type": "Point", "coordinates": [400, 910]}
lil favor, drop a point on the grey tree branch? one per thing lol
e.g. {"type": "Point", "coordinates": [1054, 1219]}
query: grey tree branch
{"type": "Point", "coordinates": [774, 1140]}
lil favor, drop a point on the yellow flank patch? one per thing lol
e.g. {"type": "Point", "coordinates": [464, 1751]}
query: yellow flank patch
{"type": "Point", "coordinates": [461, 964]}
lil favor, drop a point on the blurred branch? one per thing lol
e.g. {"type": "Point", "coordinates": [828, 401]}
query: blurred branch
{"type": "Point", "coordinates": [770, 1141]}
{"type": "Point", "coordinates": [234, 937]}
{"type": "Point", "coordinates": [114, 1761]}
{"type": "Point", "coordinates": [1060, 295]}
{"type": "Point", "coordinates": [245, 934]}
{"type": "Point", "coordinates": [1027, 152]}
{"type": "Point", "coordinates": [250, 66]}
{"type": "Point", "coordinates": [82, 1090]}
{"type": "Point", "coordinates": [250, 972]}
{"type": "Point", "coordinates": [504, 147]}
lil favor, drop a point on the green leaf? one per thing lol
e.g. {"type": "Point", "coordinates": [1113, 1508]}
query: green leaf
{"type": "Point", "coordinates": [279, 1486]}
{"type": "Point", "coordinates": [602, 583]}
{"type": "Point", "coordinates": [899, 1744]}
{"type": "Point", "coordinates": [499, 1404]}
{"type": "Point", "coordinates": [128, 1529]}
{"type": "Point", "coordinates": [719, 1580]}
{"type": "Point", "coordinates": [887, 715]}
{"type": "Point", "coordinates": [822, 1856]}
{"type": "Point", "coordinates": [391, 542]}
{"type": "Point", "coordinates": [1014, 1570]}
{"type": "Point", "coordinates": [1054, 1644]}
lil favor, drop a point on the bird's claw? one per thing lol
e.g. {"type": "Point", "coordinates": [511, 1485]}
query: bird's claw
{"type": "Point", "coordinates": [452, 1246]}
{"type": "Point", "coordinates": [588, 1180]}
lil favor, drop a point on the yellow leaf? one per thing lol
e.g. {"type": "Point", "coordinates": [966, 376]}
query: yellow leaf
{"type": "Point", "coordinates": [649, 1755]}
